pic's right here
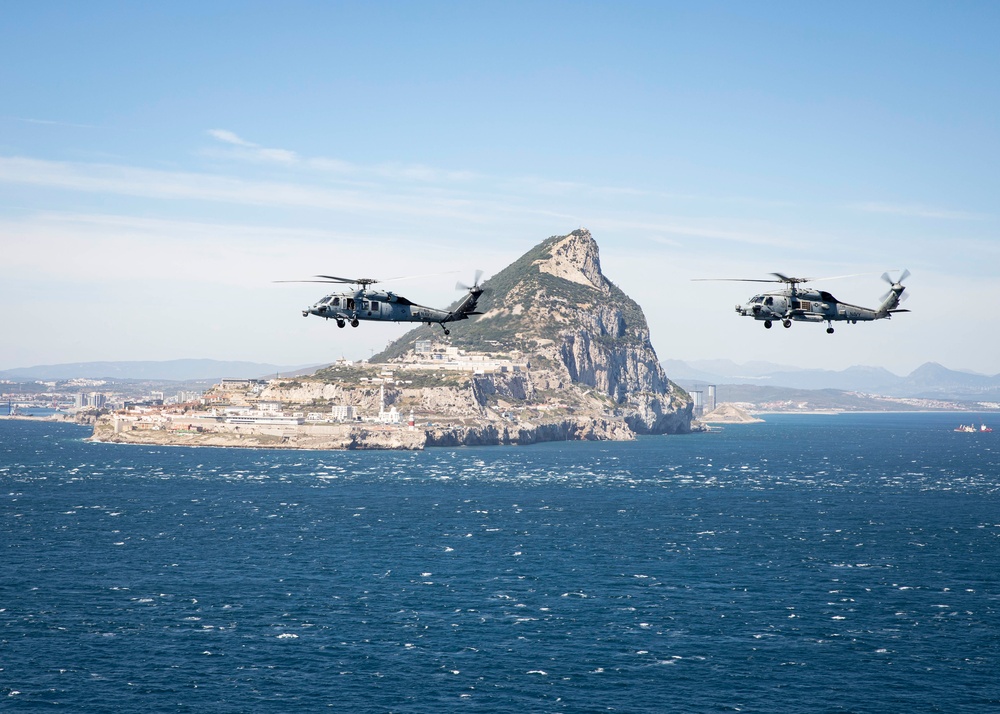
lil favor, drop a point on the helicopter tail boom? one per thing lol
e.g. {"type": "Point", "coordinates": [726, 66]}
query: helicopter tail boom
{"type": "Point", "coordinates": [466, 307]}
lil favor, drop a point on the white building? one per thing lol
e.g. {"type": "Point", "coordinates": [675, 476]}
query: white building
{"type": "Point", "coordinates": [343, 412]}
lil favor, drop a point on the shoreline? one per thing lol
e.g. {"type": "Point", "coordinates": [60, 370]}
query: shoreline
{"type": "Point", "coordinates": [64, 418]}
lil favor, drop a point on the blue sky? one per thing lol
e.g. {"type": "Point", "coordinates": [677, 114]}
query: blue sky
{"type": "Point", "coordinates": [162, 164]}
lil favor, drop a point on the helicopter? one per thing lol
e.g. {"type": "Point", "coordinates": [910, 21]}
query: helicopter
{"type": "Point", "coordinates": [363, 303]}
{"type": "Point", "coordinates": [809, 305]}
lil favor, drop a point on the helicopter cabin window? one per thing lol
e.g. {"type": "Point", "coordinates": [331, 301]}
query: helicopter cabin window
{"type": "Point", "coordinates": [349, 303]}
{"type": "Point", "coordinates": [375, 306]}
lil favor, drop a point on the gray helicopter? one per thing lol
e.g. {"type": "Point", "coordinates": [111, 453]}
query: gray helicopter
{"type": "Point", "coordinates": [363, 303]}
{"type": "Point", "coordinates": [809, 305]}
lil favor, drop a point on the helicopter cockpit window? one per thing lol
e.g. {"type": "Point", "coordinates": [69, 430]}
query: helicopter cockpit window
{"type": "Point", "coordinates": [336, 302]}
{"type": "Point", "coordinates": [757, 299]}
{"type": "Point", "coordinates": [769, 300]}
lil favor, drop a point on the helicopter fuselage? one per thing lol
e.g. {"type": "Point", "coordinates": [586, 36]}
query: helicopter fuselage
{"type": "Point", "coordinates": [352, 307]}
{"type": "Point", "coordinates": [806, 305]}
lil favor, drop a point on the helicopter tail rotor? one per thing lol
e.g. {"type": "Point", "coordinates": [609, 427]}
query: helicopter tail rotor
{"type": "Point", "coordinates": [894, 296]}
{"type": "Point", "coordinates": [895, 286]}
{"type": "Point", "coordinates": [475, 283]}
{"type": "Point", "coordinates": [467, 306]}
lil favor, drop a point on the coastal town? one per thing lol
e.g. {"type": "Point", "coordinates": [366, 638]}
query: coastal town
{"type": "Point", "coordinates": [244, 409]}
{"type": "Point", "coordinates": [353, 402]}
{"type": "Point", "coordinates": [277, 413]}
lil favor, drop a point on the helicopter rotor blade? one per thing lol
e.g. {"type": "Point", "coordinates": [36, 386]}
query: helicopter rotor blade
{"type": "Point", "coordinates": [333, 279]}
{"type": "Point", "coordinates": [301, 281]}
{"type": "Point", "coordinates": [353, 281]}
{"type": "Point", "coordinates": [363, 282]}
{"type": "Point", "coordinates": [780, 278]}
{"type": "Point", "coordinates": [412, 277]}
{"type": "Point", "coordinates": [903, 276]}
{"type": "Point", "coordinates": [840, 277]}
{"type": "Point", "coordinates": [475, 282]}
{"type": "Point", "coordinates": [894, 284]}
{"type": "Point", "coordinates": [733, 280]}
{"type": "Point", "coordinates": [792, 281]}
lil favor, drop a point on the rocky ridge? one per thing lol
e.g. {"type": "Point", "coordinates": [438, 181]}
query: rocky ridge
{"type": "Point", "coordinates": [565, 353]}
{"type": "Point", "coordinates": [586, 341]}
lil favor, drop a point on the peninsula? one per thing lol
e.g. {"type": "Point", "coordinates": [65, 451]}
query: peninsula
{"type": "Point", "coordinates": [559, 353]}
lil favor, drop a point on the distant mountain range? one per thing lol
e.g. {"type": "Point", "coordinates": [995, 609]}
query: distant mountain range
{"type": "Point", "coordinates": [180, 370]}
{"type": "Point", "coordinates": [929, 381]}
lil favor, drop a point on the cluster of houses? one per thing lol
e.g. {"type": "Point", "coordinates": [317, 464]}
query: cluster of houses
{"type": "Point", "coordinates": [237, 402]}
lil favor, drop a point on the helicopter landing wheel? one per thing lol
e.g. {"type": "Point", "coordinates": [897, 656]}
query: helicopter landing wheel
{"type": "Point", "coordinates": [767, 324]}
{"type": "Point", "coordinates": [340, 323]}
{"type": "Point", "coordinates": [447, 332]}
{"type": "Point", "coordinates": [354, 323]}
{"type": "Point", "coordinates": [829, 330]}
{"type": "Point", "coordinates": [786, 323]}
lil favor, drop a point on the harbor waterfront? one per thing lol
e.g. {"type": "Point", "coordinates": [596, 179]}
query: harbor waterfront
{"type": "Point", "coordinates": [811, 563]}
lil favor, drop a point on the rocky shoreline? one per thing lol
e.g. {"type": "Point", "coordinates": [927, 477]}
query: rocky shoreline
{"type": "Point", "coordinates": [108, 429]}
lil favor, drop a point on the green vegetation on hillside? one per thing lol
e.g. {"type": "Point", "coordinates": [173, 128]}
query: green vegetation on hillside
{"type": "Point", "coordinates": [539, 296]}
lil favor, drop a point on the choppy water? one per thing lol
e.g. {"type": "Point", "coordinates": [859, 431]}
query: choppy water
{"type": "Point", "coordinates": [809, 564]}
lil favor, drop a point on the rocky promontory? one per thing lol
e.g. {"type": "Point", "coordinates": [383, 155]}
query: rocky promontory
{"type": "Point", "coordinates": [586, 341]}
{"type": "Point", "coordinates": [558, 353]}
{"type": "Point", "coordinates": [729, 414]}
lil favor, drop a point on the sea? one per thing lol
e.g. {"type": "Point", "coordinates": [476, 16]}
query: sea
{"type": "Point", "coordinates": [812, 563]}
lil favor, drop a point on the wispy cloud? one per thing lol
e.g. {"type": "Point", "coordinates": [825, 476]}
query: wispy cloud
{"type": "Point", "coordinates": [421, 201]}
{"type": "Point", "coordinates": [710, 229]}
{"type": "Point", "coordinates": [180, 185]}
{"type": "Point", "coordinates": [228, 137]}
{"type": "Point", "coordinates": [52, 122]}
{"type": "Point", "coordinates": [242, 149]}
{"type": "Point", "coordinates": [918, 211]}
{"type": "Point", "coordinates": [254, 151]}
{"type": "Point", "coordinates": [504, 189]}
{"type": "Point", "coordinates": [428, 201]}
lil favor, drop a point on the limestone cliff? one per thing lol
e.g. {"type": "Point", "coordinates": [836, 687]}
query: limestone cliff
{"type": "Point", "coordinates": [587, 342]}
{"type": "Point", "coordinates": [559, 353]}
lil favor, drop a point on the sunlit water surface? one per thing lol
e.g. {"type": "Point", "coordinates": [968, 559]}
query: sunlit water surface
{"type": "Point", "coordinates": [843, 563]}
